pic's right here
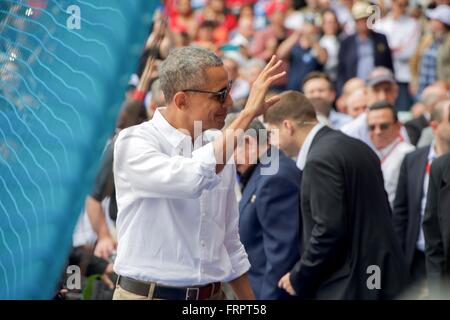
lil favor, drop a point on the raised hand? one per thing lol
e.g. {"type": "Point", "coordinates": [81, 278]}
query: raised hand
{"type": "Point", "coordinates": [256, 103]}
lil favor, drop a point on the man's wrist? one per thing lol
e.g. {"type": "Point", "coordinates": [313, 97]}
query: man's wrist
{"type": "Point", "coordinates": [248, 113]}
{"type": "Point", "coordinates": [104, 235]}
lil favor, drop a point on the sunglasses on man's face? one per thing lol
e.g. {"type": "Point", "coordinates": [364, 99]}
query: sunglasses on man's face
{"type": "Point", "coordinates": [220, 95]}
{"type": "Point", "coordinates": [382, 126]}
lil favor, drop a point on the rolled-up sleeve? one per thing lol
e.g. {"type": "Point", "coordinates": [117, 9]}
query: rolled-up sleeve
{"type": "Point", "coordinates": [140, 164]}
{"type": "Point", "coordinates": [236, 251]}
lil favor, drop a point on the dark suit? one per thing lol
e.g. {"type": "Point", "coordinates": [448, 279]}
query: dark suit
{"type": "Point", "coordinates": [414, 128]}
{"type": "Point", "coordinates": [348, 56]}
{"type": "Point", "coordinates": [406, 215]}
{"type": "Point", "coordinates": [436, 226]}
{"type": "Point", "coordinates": [347, 224]}
{"type": "Point", "coordinates": [269, 226]}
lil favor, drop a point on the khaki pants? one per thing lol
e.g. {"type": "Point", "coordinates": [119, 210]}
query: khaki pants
{"type": "Point", "coordinates": [122, 294]}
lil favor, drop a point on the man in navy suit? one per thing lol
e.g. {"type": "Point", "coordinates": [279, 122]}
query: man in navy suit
{"type": "Point", "coordinates": [269, 224]}
{"type": "Point", "coordinates": [361, 52]}
{"type": "Point", "coordinates": [346, 217]}
{"type": "Point", "coordinates": [409, 208]}
{"type": "Point", "coordinates": [436, 229]}
{"type": "Point", "coordinates": [412, 188]}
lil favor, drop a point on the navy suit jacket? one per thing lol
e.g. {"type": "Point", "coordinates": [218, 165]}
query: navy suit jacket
{"type": "Point", "coordinates": [406, 215]}
{"type": "Point", "coordinates": [347, 226]}
{"type": "Point", "coordinates": [436, 229]}
{"type": "Point", "coordinates": [269, 226]}
{"type": "Point", "coordinates": [348, 57]}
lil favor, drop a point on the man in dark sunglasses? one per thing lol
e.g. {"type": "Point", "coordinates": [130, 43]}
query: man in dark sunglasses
{"type": "Point", "coordinates": [220, 95]}
{"type": "Point", "coordinates": [175, 189]}
{"type": "Point", "coordinates": [384, 132]}
{"type": "Point", "coordinates": [216, 101]}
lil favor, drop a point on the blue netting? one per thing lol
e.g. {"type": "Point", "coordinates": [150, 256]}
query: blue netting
{"type": "Point", "coordinates": [60, 90]}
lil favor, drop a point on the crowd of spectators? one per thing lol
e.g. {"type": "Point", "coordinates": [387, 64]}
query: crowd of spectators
{"type": "Point", "coordinates": [379, 72]}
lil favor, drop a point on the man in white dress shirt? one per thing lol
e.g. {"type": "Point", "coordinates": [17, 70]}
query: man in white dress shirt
{"type": "Point", "coordinates": [318, 85]}
{"type": "Point", "coordinates": [381, 86]}
{"type": "Point", "coordinates": [384, 131]}
{"type": "Point", "coordinates": [177, 223]}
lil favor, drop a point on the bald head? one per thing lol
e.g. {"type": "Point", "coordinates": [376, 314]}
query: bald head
{"type": "Point", "coordinates": [441, 111]}
{"type": "Point", "coordinates": [440, 124]}
{"type": "Point", "coordinates": [352, 85]}
{"type": "Point", "coordinates": [432, 94]}
{"type": "Point", "coordinates": [357, 102]}
{"type": "Point", "coordinates": [439, 89]}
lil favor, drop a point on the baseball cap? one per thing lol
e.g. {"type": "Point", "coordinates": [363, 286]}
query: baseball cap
{"type": "Point", "coordinates": [440, 13]}
{"type": "Point", "coordinates": [378, 75]}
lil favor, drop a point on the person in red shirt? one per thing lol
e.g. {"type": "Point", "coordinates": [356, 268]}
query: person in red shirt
{"type": "Point", "coordinates": [216, 10]}
{"type": "Point", "coordinates": [182, 18]}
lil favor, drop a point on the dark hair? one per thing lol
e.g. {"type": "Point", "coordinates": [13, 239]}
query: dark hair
{"type": "Point", "coordinates": [339, 28]}
{"type": "Point", "coordinates": [292, 105]}
{"type": "Point", "coordinates": [256, 128]}
{"type": "Point", "coordinates": [384, 105]}
{"type": "Point", "coordinates": [208, 24]}
{"type": "Point", "coordinates": [245, 6]}
{"type": "Point", "coordinates": [318, 75]}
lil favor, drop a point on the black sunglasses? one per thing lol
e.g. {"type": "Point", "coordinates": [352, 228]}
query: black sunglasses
{"type": "Point", "coordinates": [221, 95]}
{"type": "Point", "coordinates": [382, 126]}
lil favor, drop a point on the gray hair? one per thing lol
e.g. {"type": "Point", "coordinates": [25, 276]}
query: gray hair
{"type": "Point", "coordinates": [185, 68]}
{"type": "Point", "coordinates": [430, 99]}
{"type": "Point", "coordinates": [438, 112]}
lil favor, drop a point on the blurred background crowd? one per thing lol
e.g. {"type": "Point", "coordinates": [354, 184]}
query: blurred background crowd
{"type": "Point", "coordinates": [378, 71]}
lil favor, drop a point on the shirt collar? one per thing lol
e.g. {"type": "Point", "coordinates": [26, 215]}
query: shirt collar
{"type": "Point", "coordinates": [304, 150]}
{"type": "Point", "coordinates": [366, 40]}
{"type": "Point", "coordinates": [432, 152]}
{"type": "Point", "coordinates": [174, 136]}
{"type": "Point", "coordinates": [388, 149]}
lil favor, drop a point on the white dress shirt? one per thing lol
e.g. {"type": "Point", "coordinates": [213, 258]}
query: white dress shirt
{"type": "Point", "coordinates": [358, 129]}
{"type": "Point", "coordinates": [84, 234]}
{"type": "Point", "coordinates": [304, 150]}
{"type": "Point", "coordinates": [403, 36]}
{"type": "Point", "coordinates": [431, 156]}
{"type": "Point", "coordinates": [391, 158]}
{"type": "Point", "coordinates": [331, 44]}
{"type": "Point", "coordinates": [338, 119]}
{"type": "Point", "coordinates": [177, 221]}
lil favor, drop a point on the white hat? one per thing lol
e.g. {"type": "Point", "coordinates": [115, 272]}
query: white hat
{"type": "Point", "coordinates": [236, 56]}
{"type": "Point", "coordinates": [240, 41]}
{"type": "Point", "coordinates": [361, 10]}
{"type": "Point", "coordinates": [440, 13]}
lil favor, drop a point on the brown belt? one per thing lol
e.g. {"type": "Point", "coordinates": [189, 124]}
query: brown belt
{"type": "Point", "coordinates": [168, 293]}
